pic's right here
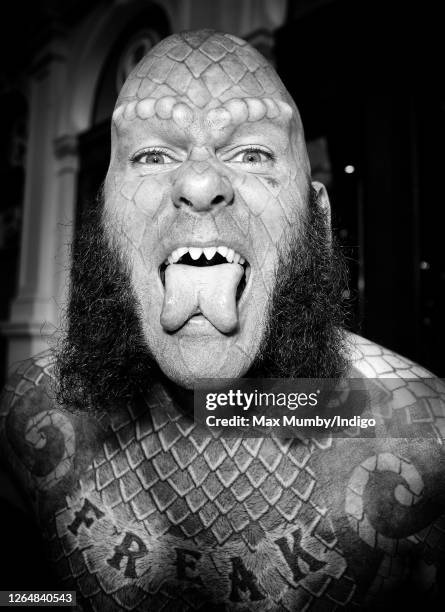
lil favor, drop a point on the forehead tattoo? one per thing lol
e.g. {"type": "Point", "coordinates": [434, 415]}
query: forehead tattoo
{"type": "Point", "coordinates": [200, 89]}
{"type": "Point", "coordinates": [193, 70]}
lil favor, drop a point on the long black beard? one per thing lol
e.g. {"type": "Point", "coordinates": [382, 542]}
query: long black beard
{"type": "Point", "coordinates": [305, 337]}
{"type": "Point", "coordinates": [103, 360]}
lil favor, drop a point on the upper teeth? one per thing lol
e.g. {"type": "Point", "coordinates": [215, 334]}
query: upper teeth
{"type": "Point", "coordinates": [195, 253]}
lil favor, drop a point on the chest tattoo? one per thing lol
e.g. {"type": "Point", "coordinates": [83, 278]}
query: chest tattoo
{"type": "Point", "coordinates": [164, 511]}
{"type": "Point", "coordinates": [164, 514]}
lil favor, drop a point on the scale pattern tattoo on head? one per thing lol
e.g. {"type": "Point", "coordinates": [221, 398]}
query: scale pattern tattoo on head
{"type": "Point", "coordinates": [206, 68]}
{"type": "Point", "coordinates": [205, 85]}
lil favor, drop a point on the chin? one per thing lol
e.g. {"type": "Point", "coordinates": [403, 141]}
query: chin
{"type": "Point", "coordinates": [188, 359]}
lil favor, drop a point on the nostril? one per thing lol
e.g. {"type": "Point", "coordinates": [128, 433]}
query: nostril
{"type": "Point", "coordinates": [218, 199]}
{"type": "Point", "coordinates": [185, 201]}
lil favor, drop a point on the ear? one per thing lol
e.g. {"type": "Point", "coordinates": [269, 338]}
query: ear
{"type": "Point", "coordinates": [323, 204]}
{"type": "Point", "coordinates": [323, 201]}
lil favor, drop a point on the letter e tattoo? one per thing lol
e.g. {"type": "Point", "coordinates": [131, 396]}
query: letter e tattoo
{"type": "Point", "coordinates": [186, 559]}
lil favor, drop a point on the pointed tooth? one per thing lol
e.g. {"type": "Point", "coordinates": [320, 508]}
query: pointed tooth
{"type": "Point", "coordinates": [209, 252]}
{"type": "Point", "coordinates": [222, 250]}
{"type": "Point", "coordinates": [195, 252]}
{"type": "Point", "coordinates": [170, 259]}
{"type": "Point", "coordinates": [175, 256]}
{"type": "Point", "coordinates": [230, 255]}
{"type": "Point", "coordinates": [181, 251]}
{"type": "Point", "coordinates": [236, 258]}
{"type": "Point", "coordinates": [242, 260]}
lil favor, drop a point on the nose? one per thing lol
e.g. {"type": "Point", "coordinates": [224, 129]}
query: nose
{"type": "Point", "coordinates": [201, 187]}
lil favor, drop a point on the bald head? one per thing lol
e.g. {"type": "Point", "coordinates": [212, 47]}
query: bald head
{"type": "Point", "coordinates": [203, 66]}
{"type": "Point", "coordinates": [208, 184]}
{"type": "Point", "coordinates": [210, 76]}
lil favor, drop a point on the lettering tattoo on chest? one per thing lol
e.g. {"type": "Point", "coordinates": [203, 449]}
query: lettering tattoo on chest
{"type": "Point", "coordinates": [164, 503]}
{"type": "Point", "coordinates": [187, 564]}
{"type": "Point", "coordinates": [163, 513]}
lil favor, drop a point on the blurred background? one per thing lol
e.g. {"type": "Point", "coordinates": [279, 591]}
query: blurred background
{"type": "Point", "coordinates": [369, 87]}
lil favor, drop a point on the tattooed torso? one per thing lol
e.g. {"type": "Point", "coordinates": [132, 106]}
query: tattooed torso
{"type": "Point", "coordinates": [150, 512]}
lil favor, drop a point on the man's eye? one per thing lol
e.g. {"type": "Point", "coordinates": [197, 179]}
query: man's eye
{"type": "Point", "coordinates": [252, 156]}
{"type": "Point", "coordinates": [152, 157]}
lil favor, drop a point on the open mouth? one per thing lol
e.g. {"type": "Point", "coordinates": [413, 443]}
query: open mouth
{"type": "Point", "coordinates": [208, 256]}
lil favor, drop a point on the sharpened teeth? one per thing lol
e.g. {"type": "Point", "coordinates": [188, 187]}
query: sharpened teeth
{"type": "Point", "coordinates": [209, 252]}
{"type": "Point", "coordinates": [195, 252]}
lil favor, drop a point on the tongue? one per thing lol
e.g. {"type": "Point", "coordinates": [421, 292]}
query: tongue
{"type": "Point", "coordinates": [208, 290]}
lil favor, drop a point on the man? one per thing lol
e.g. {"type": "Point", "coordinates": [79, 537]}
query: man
{"type": "Point", "coordinates": [210, 256]}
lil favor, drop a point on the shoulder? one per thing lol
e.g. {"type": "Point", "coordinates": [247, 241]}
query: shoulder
{"type": "Point", "coordinates": [404, 460]}
{"type": "Point", "coordinates": [408, 399]}
{"type": "Point", "coordinates": [41, 442]}
{"type": "Point", "coordinates": [372, 360]}
{"type": "Point", "coordinates": [29, 391]}
{"type": "Point", "coordinates": [30, 380]}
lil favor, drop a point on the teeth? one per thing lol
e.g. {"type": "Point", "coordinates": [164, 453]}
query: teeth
{"type": "Point", "coordinates": [209, 252]}
{"type": "Point", "coordinates": [178, 253]}
{"type": "Point", "coordinates": [195, 252]}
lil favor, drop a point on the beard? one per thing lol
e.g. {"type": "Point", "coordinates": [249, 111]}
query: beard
{"type": "Point", "coordinates": [304, 336]}
{"type": "Point", "coordinates": [103, 360]}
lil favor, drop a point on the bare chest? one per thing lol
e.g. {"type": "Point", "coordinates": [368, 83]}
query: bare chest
{"type": "Point", "coordinates": [165, 513]}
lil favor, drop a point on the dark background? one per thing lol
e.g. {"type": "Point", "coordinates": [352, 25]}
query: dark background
{"type": "Point", "coordinates": [366, 76]}
{"type": "Point", "coordinates": [368, 83]}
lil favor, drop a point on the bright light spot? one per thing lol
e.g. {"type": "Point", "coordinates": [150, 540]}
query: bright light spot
{"type": "Point", "coordinates": [349, 169]}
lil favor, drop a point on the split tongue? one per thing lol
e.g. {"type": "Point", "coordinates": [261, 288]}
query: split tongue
{"type": "Point", "coordinates": [210, 290]}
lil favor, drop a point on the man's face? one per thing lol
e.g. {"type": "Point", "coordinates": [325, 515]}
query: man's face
{"type": "Point", "coordinates": [208, 181]}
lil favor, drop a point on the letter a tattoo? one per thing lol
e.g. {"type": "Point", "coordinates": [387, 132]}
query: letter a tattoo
{"type": "Point", "coordinates": [243, 580]}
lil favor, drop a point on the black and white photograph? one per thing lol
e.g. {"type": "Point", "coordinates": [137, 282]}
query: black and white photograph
{"type": "Point", "coordinates": [222, 307]}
